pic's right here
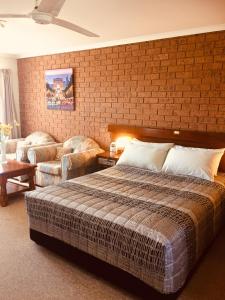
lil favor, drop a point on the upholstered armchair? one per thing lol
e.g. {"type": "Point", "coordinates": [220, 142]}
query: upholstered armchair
{"type": "Point", "coordinates": [11, 146]}
{"type": "Point", "coordinates": [57, 163]}
{"type": "Point", "coordinates": [17, 148]}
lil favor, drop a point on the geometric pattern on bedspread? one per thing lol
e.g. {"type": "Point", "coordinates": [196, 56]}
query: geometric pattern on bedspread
{"type": "Point", "coordinates": [152, 225]}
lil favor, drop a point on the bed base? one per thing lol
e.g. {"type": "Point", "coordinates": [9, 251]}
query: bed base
{"type": "Point", "coordinates": [107, 272]}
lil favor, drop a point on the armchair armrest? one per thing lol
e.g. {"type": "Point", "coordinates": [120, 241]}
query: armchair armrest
{"type": "Point", "coordinates": [12, 144]}
{"type": "Point", "coordinates": [78, 164]}
{"type": "Point", "coordinates": [36, 154]}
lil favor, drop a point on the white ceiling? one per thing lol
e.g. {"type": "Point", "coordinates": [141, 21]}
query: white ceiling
{"type": "Point", "coordinates": [116, 21]}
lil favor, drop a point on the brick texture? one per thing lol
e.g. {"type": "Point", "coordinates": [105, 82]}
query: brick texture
{"type": "Point", "coordinates": [172, 83]}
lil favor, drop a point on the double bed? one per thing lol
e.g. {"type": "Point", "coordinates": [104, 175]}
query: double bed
{"type": "Point", "coordinates": [154, 226]}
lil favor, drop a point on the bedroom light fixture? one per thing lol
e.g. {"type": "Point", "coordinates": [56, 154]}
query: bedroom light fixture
{"type": "Point", "coordinates": [121, 142]}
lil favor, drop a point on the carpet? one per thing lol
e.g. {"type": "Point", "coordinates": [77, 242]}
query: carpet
{"type": "Point", "coordinates": [29, 271]}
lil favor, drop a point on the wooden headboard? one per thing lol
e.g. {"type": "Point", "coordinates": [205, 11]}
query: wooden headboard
{"type": "Point", "coordinates": [189, 138]}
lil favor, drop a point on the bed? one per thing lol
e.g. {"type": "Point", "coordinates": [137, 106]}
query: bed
{"type": "Point", "coordinates": [154, 226]}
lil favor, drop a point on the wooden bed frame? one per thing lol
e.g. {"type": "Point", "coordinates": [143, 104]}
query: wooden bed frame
{"type": "Point", "coordinates": [211, 140]}
{"type": "Point", "coordinates": [114, 275]}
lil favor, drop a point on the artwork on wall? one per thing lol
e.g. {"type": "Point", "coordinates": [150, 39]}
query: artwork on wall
{"type": "Point", "coordinates": [60, 89]}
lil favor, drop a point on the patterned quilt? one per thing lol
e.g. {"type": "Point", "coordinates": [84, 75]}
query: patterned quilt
{"type": "Point", "coordinates": [152, 225]}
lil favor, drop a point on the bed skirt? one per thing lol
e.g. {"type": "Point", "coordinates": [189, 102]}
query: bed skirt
{"type": "Point", "coordinates": [101, 269]}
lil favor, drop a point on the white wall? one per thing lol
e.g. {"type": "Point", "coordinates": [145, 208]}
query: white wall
{"type": "Point", "coordinates": [7, 62]}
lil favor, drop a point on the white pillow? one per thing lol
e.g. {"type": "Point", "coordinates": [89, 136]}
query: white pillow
{"type": "Point", "coordinates": [144, 156]}
{"type": "Point", "coordinates": [198, 162]}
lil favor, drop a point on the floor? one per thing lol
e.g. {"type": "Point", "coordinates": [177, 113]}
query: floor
{"type": "Point", "coordinates": [28, 271]}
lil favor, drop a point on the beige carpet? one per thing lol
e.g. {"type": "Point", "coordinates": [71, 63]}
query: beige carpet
{"type": "Point", "coordinates": [28, 271]}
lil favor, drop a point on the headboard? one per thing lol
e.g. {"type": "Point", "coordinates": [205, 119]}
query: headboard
{"type": "Point", "coordinates": [189, 138]}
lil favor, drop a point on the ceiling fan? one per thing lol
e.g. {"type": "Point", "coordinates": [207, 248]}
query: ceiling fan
{"type": "Point", "coordinates": [46, 13]}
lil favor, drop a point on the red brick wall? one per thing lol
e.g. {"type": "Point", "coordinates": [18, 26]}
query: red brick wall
{"type": "Point", "coordinates": [172, 83]}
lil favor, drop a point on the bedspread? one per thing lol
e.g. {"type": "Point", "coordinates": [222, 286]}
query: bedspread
{"type": "Point", "coordinates": [152, 225]}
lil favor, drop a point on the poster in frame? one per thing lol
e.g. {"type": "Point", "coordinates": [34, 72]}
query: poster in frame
{"type": "Point", "coordinates": [60, 89]}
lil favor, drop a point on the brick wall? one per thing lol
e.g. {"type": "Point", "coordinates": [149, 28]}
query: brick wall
{"type": "Point", "coordinates": [172, 83]}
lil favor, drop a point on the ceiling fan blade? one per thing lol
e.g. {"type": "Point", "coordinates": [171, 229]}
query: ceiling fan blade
{"type": "Point", "coordinates": [52, 7]}
{"type": "Point", "coordinates": [73, 27]}
{"type": "Point", "coordinates": [8, 16]}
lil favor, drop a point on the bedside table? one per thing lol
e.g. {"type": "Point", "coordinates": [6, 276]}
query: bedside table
{"type": "Point", "coordinates": [107, 160]}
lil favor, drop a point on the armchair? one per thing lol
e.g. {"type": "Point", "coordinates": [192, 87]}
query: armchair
{"type": "Point", "coordinates": [59, 162]}
{"type": "Point", "coordinates": [11, 146]}
{"type": "Point", "coordinates": [17, 148]}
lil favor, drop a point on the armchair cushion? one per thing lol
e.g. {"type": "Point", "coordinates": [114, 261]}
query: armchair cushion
{"type": "Point", "coordinates": [39, 137]}
{"type": "Point", "coordinates": [43, 153]}
{"type": "Point", "coordinates": [80, 143]}
{"type": "Point", "coordinates": [22, 143]}
{"type": "Point", "coordinates": [50, 167]}
{"type": "Point", "coordinates": [77, 164]}
{"type": "Point", "coordinates": [22, 151]}
{"type": "Point", "coordinates": [60, 151]}
{"type": "Point", "coordinates": [11, 145]}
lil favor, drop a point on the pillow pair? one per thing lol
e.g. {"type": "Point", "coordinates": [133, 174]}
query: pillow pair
{"type": "Point", "coordinates": [177, 160]}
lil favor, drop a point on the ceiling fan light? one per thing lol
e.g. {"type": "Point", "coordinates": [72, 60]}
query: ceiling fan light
{"type": "Point", "coordinates": [41, 18]}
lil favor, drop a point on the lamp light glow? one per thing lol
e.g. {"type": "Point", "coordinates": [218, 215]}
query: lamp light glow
{"type": "Point", "coordinates": [122, 142]}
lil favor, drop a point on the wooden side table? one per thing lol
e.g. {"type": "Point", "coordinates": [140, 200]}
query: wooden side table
{"type": "Point", "coordinates": [12, 169]}
{"type": "Point", "coordinates": [107, 160]}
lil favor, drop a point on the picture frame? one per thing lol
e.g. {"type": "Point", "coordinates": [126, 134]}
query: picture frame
{"type": "Point", "coordinates": [59, 86]}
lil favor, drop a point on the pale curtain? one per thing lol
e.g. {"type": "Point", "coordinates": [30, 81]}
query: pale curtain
{"type": "Point", "coordinates": [8, 112]}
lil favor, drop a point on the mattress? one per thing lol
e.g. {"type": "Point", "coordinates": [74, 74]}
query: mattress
{"type": "Point", "coordinates": [155, 226]}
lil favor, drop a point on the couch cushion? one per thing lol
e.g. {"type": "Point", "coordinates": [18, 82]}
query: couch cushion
{"type": "Point", "coordinates": [50, 167]}
{"type": "Point", "coordinates": [39, 137]}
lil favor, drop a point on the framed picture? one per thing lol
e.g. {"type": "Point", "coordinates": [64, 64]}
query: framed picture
{"type": "Point", "coordinates": [60, 89]}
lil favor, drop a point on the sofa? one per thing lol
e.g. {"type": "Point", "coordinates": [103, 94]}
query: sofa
{"type": "Point", "coordinates": [56, 163]}
{"type": "Point", "coordinates": [18, 148]}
